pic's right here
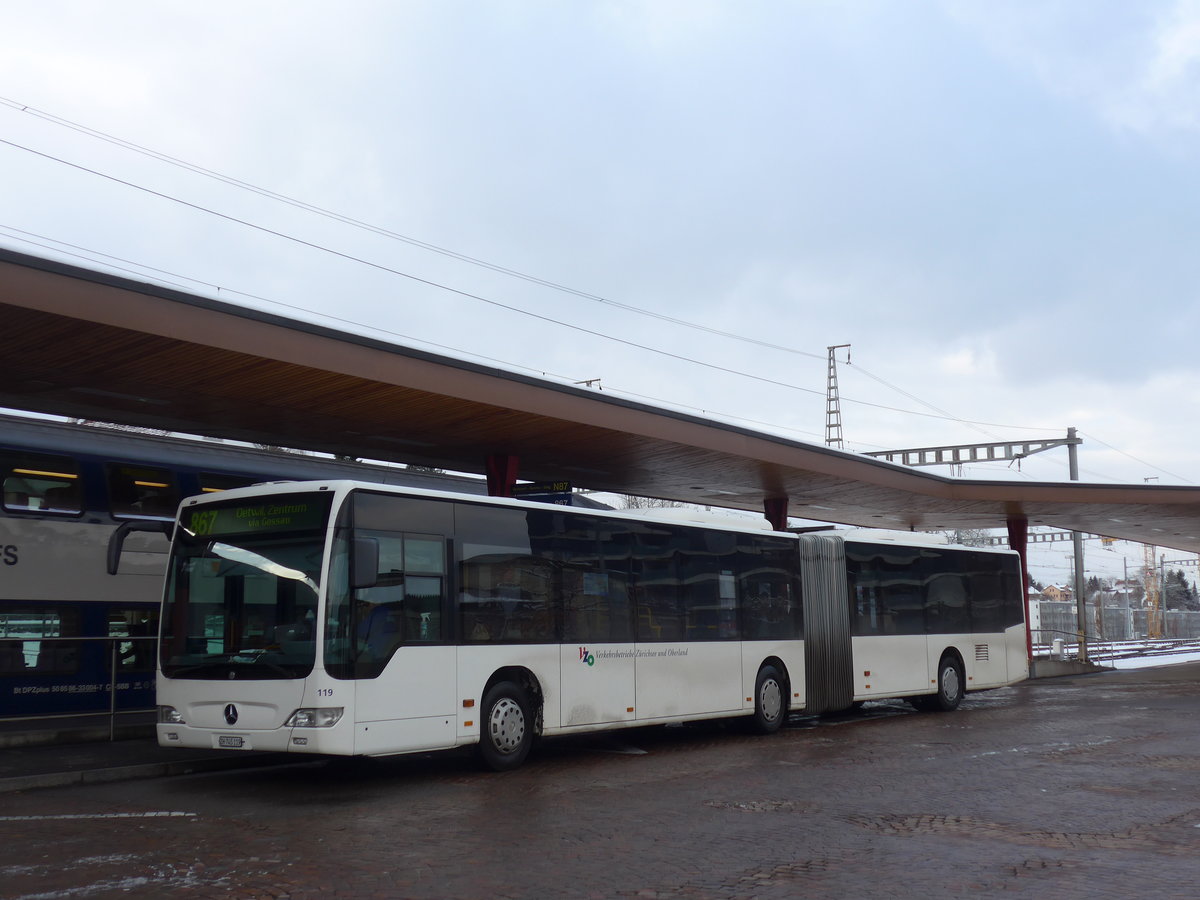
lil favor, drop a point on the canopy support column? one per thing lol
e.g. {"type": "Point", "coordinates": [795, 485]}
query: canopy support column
{"type": "Point", "coordinates": [501, 474]}
{"type": "Point", "coordinates": [1018, 539]}
{"type": "Point", "coordinates": [776, 511]}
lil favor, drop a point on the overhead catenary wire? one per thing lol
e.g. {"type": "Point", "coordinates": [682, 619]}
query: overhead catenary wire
{"type": "Point", "coordinates": [975, 425]}
{"type": "Point", "coordinates": [1092, 437]}
{"type": "Point", "coordinates": [184, 281]}
{"type": "Point", "coordinates": [467, 258]}
{"type": "Point", "coordinates": [474, 296]}
{"type": "Point", "coordinates": [389, 233]}
{"type": "Point", "coordinates": [937, 413]}
{"type": "Point", "coordinates": [463, 257]}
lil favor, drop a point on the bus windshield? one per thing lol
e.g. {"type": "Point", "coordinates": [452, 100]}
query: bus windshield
{"type": "Point", "coordinates": [242, 590]}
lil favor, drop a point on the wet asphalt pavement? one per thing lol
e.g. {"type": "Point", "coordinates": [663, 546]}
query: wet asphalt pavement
{"type": "Point", "coordinates": [1074, 787]}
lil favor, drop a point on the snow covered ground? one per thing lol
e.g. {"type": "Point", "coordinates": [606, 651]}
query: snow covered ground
{"type": "Point", "coordinates": [1154, 659]}
{"type": "Point", "coordinates": [1135, 654]}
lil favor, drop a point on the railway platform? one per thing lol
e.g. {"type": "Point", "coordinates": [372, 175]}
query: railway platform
{"type": "Point", "coordinates": [63, 764]}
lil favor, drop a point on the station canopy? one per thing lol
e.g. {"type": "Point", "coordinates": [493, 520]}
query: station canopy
{"type": "Point", "coordinates": [92, 345]}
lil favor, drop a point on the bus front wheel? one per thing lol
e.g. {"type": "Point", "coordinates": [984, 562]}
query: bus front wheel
{"type": "Point", "coordinates": [770, 701]}
{"type": "Point", "coordinates": [506, 729]}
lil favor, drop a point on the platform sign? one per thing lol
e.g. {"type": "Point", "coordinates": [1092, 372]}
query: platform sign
{"type": "Point", "coordinates": [558, 492]}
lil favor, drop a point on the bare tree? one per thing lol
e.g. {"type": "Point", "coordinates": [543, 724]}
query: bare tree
{"type": "Point", "coordinates": [629, 501]}
{"type": "Point", "coordinates": [969, 537]}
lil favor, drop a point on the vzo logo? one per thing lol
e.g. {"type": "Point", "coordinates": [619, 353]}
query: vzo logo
{"type": "Point", "coordinates": [585, 657]}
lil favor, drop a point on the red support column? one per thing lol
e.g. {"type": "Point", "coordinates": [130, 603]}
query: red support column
{"type": "Point", "coordinates": [1018, 539]}
{"type": "Point", "coordinates": [776, 511]}
{"type": "Point", "coordinates": [501, 474]}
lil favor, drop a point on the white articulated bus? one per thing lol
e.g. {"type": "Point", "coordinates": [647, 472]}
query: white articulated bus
{"type": "Point", "coordinates": [356, 619]}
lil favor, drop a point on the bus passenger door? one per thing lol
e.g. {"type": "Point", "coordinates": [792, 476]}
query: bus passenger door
{"type": "Point", "coordinates": [406, 668]}
{"type": "Point", "coordinates": [410, 705]}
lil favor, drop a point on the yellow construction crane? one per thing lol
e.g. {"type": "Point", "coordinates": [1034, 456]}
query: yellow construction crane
{"type": "Point", "coordinates": [1154, 629]}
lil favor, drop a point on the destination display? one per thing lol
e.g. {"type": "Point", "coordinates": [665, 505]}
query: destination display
{"type": "Point", "coordinates": [286, 512]}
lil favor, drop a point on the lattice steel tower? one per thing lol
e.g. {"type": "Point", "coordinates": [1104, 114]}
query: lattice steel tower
{"type": "Point", "coordinates": [833, 400]}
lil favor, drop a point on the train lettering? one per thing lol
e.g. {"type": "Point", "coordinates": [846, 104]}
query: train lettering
{"type": "Point", "coordinates": [9, 554]}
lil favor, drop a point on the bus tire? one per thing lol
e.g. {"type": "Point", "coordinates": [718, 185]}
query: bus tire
{"type": "Point", "coordinates": [950, 684]}
{"type": "Point", "coordinates": [506, 729]}
{"type": "Point", "coordinates": [770, 701]}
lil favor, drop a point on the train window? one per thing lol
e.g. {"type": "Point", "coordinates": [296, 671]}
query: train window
{"type": "Point", "coordinates": [142, 492]}
{"type": "Point", "coordinates": [140, 625]}
{"type": "Point", "coordinates": [35, 482]}
{"type": "Point", "coordinates": [31, 640]}
{"type": "Point", "coordinates": [210, 482]}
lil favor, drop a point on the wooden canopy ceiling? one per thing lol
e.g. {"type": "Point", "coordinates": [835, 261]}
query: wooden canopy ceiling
{"type": "Point", "coordinates": [91, 345]}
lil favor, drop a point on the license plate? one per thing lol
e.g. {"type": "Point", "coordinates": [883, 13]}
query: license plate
{"type": "Point", "coordinates": [231, 741]}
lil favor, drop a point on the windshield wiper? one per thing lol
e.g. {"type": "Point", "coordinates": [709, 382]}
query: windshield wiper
{"type": "Point", "coordinates": [273, 667]}
{"type": "Point", "coordinates": [174, 672]}
{"type": "Point", "coordinates": [229, 662]}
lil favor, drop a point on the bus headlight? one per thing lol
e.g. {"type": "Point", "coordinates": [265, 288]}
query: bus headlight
{"type": "Point", "coordinates": [315, 717]}
{"type": "Point", "coordinates": [169, 715]}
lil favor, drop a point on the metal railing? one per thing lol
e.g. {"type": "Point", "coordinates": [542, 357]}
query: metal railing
{"type": "Point", "coordinates": [1111, 649]}
{"type": "Point", "coordinates": [1070, 645]}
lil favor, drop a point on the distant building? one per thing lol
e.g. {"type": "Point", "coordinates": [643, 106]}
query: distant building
{"type": "Point", "coordinates": [1059, 593]}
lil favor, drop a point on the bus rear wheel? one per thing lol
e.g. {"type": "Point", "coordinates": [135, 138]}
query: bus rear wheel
{"type": "Point", "coordinates": [506, 729]}
{"type": "Point", "coordinates": [951, 685]}
{"type": "Point", "coordinates": [770, 701]}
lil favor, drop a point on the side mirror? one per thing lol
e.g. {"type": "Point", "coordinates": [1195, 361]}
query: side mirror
{"type": "Point", "coordinates": [365, 563]}
{"type": "Point", "coordinates": [116, 540]}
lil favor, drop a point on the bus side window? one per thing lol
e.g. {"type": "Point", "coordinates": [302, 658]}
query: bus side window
{"type": "Point", "coordinates": [593, 560]}
{"type": "Point", "coordinates": [507, 580]}
{"type": "Point", "coordinates": [770, 598]}
{"type": "Point", "coordinates": [991, 581]}
{"type": "Point", "coordinates": [404, 606]}
{"type": "Point", "coordinates": [41, 483]}
{"type": "Point", "coordinates": [708, 587]}
{"type": "Point", "coordinates": [656, 551]}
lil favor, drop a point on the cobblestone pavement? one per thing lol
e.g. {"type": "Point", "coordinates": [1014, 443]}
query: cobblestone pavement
{"type": "Point", "coordinates": [1069, 788]}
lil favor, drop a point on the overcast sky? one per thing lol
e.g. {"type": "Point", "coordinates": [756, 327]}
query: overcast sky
{"type": "Point", "coordinates": [996, 204]}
